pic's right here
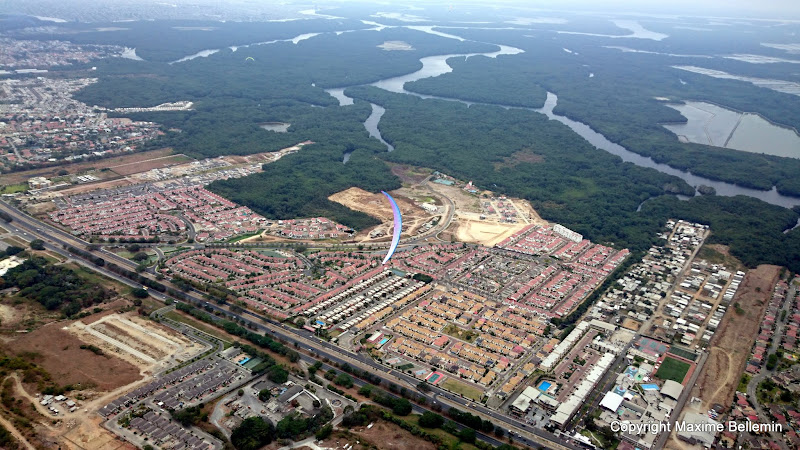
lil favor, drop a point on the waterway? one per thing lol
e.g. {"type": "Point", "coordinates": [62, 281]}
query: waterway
{"type": "Point", "coordinates": [278, 127]}
{"type": "Point", "coordinates": [433, 66]}
{"type": "Point", "coordinates": [371, 124]}
{"type": "Point", "coordinates": [787, 87]}
{"type": "Point", "coordinates": [797, 225]}
{"type": "Point", "coordinates": [200, 54]}
{"type": "Point", "coordinates": [600, 141]}
{"type": "Point", "coordinates": [714, 125]}
{"type": "Point", "coordinates": [130, 53]}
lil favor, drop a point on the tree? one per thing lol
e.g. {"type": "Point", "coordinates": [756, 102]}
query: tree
{"type": "Point", "coordinates": [278, 374]}
{"type": "Point", "coordinates": [252, 434]}
{"type": "Point", "coordinates": [431, 420]}
{"type": "Point", "coordinates": [12, 250]}
{"type": "Point", "coordinates": [37, 244]}
{"type": "Point", "coordinates": [140, 257]}
{"type": "Point", "coordinates": [467, 435]}
{"type": "Point", "coordinates": [140, 293]}
{"type": "Point", "coordinates": [324, 432]}
{"type": "Point", "coordinates": [344, 380]}
{"type": "Point", "coordinates": [264, 395]}
{"type": "Point", "coordinates": [190, 416]}
{"type": "Point", "coordinates": [240, 392]}
{"type": "Point", "coordinates": [401, 407]}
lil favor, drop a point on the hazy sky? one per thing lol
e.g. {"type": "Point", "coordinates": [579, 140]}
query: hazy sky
{"type": "Point", "coordinates": [783, 9]}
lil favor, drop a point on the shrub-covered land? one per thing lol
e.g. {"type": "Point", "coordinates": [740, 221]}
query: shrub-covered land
{"type": "Point", "coordinates": [55, 287]}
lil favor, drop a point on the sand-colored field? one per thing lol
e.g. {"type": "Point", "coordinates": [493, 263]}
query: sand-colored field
{"type": "Point", "coordinates": [145, 344]}
{"type": "Point", "coordinates": [88, 434]}
{"type": "Point", "coordinates": [59, 353]}
{"type": "Point", "coordinates": [376, 205]}
{"type": "Point", "coordinates": [484, 232]}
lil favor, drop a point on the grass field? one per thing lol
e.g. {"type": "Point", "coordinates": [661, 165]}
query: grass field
{"type": "Point", "coordinates": [450, 441]}
{"type": "Point", "coordinates": [99, 279]}
{"type": "Point", "coordinates": [672, 369]}
{"type": "Point", "coordinates": [245, 236]}
{"type": "Point", "coordinates": [464, 389]}
{"type": "Point", "coordinates": [14, 188]}
{"type": "Point", "coordinates": [460, 333]}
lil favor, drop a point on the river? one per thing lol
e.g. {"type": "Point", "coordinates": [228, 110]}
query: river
{"type": "Point", "coordinates": [433, 66]}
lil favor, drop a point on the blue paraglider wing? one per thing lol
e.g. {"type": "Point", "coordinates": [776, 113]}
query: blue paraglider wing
{"type": "Point", "coordinates": [398, 227]}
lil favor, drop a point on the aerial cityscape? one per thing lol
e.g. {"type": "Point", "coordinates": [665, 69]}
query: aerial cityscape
{"type": "Point", "coordinates": [416, 225]}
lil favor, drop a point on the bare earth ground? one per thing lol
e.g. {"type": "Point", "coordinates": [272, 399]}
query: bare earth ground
{"type": "Point", "coordinates": [148, 164]}
{"type": "Point", "coordinates": [14, 432]}
{"type": "Point", "coordinates": [82, 188]}
{"type": "Point", "coordinates": [731, 344]}
{"type": "Point", "coordinates": [22, 177]}
{"type": "Point", "coordinates": [142, 343]}
{"type": "Point", "coordinates": [63, 358]}
{"type": "Point", "coordinates": [88, 434]}
{"type": "Point", "coordinates": [484, 232]}
{"type": "Point", "coordinates": [383, 435]}
{"type": "Point", "coordinates": [81, 430]}
{"type": "Point", "coordinates": [109, 374]}
{"type": "Point", "coordinates": [410, 174]}
{"type": "Point", "coordinates": [377, 205]}
{"type": "Point", "coordinates": [469, 227]}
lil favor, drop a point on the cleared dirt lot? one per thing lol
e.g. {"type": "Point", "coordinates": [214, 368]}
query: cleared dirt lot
{"type": "Point", "coordinates": [149, 164]}
{"type": "Point", "coordinates": [382, 435]}
{"type": "Point", "coordinates": [730, 346]}
{"type": "Point", "coordinates": [88, 434]}
{"type": "Point", "coordinates": [376, 205]}
{"type": "Point", "coordinates": [61, 355]}
{"type": "Point", "coordinates": [484, 232]}
{"type": "Point", "coordinates": [142, 343]}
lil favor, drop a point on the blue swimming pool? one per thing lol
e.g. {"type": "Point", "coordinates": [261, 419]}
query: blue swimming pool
{"type": "Point", "coordinates": [544, 386]}
{"type": "Point", "coordinates": [241, 363]}
{"type": "Point", "coordinates": [383, 341]}
{"type": "Point", "coordinates": [650, 387]}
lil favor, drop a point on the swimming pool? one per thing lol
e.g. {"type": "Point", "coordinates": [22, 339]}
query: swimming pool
{"type": "Point", "coordinates": [383, 341]}
{"type": "Point", "coordinates": [241, 363]}
{"type": "Point", "coordinates": [650, 387]}
{"type": "Point", "coordinates": [544, 386]}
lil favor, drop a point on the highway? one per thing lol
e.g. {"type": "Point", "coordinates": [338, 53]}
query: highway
{"type": "Point", "coordinates": [55, 239]}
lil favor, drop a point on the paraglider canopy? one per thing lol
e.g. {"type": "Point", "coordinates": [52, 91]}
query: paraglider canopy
{"type": "Point", "coordinates": [398, 227]}
{"type": "Point", "coordinates": [250, 58]}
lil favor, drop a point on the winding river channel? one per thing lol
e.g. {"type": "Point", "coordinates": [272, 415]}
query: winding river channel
{"type": "Point", "coordinates": [433, 66]}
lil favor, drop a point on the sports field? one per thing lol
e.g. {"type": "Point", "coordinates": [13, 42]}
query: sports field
{"type": "Point", "coordinates": [672, 369]}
